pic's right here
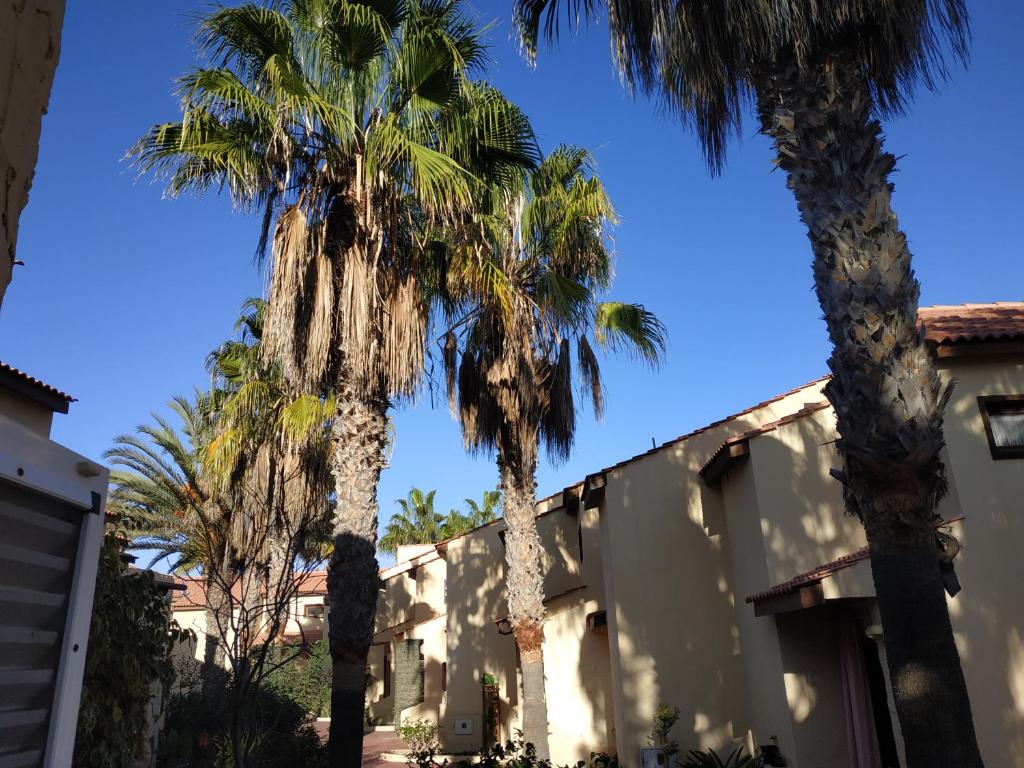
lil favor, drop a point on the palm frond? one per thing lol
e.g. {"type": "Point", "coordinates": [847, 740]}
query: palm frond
{"type": "Point", "coordinates": [630, 328]}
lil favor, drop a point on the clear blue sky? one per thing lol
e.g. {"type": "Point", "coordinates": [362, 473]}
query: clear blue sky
{"type": "Point", "coordinates": [124, 293]}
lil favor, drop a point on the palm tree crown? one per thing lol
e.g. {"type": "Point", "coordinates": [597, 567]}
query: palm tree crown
{"type": "Point", "coordinates": [529, 299]}
{"type": "Point", "coordinates": [350, 125]}
{"type": "Point", "coordinates": [161, 493]}
{"type": "Point", "coordinates": [706, 60]}
{"type": "Point", "coordinates": [417, 523]}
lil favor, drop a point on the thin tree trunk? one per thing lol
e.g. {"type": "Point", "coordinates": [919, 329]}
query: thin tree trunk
{"type": "Point", "coordinates": [887, 395]}
{"type": "Point", "coordinates": [360, 437]}
{"type": "Point", "coordinates": [524, 581]}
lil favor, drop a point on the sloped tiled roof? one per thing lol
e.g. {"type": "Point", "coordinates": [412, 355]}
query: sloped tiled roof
{"type": "Point", "coordinates": [812, 576]}
{"type": "Point", "coordinates": [31, 387]}
{"type": "Point", "coordinates": [824, 571]}
{"type": "Point", "coordinates": [956, 323]}
{"type": "Point", "coordinates": [771, 425]}
{"type": "Point", "coordinates": [192, 592]}
{"type": "Point", "coordinates": [943, 325]}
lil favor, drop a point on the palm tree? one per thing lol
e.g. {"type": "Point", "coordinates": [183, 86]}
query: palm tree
{"type": "Point", "coordinates": [459, 523]}
{"type": "Point", "coordinates": [530, 300]}
{"type": "Point", "coordinates": [820, 76]}
{"type": "Point", "coordinates": [417, 523]}
{"type": "Point", "coordinates": [164, 501]}
{"type": "Point", "coordinates": [269, 455]}
{"type": "Point", "coordinates": [355, 128]}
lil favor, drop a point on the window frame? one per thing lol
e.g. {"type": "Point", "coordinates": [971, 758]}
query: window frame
{"type": "Point", "coordinates": [999, 452]}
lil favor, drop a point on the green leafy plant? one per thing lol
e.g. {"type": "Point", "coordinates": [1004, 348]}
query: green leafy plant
{"type": "Point", "coordinates": [488, 679]}
{"type": "Point", "coordinates": [307, 681]}
{"type": "Point", "coordinates": [711, 759]}
{"type": "Point", "coordinates": [664, 719]}
{"type": "Point", "coordinates": [129, 645]}
{"type": "Point", "coordinates": [514, 753]}
{"type": "Point", "coordinates": [600, 760]}
{"type": "Point", "coordinates": [274, 729]}
{"type": "Point", "coordinates": [420, 736]}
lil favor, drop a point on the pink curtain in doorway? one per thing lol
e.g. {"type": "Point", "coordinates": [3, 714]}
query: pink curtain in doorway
{"type": "Point", "coordinates": [860, 718]}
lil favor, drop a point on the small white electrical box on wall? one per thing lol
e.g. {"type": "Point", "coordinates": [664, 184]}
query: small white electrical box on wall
{"type": "Point", "coordinates": [463, 726]}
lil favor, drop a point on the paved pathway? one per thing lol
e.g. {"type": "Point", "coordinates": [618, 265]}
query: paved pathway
{"type": "Point", "coordinates": [373, 744]}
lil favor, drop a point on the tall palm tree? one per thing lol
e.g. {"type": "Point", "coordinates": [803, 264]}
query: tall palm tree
{"type": "Point", "coordinates": [269, 454]}
{"type": "Point", "coordinates": [531, 298]}
{"type": "Point", "coordinates": [458, 523]}
{"type": "Point", "coordinates": [820, 76]}
{"type": "Point", "coordinates": [417, 523]}
{"type": "Point", "coordinates": [164, 501]}
{"type": "Point", "coordinates": [355, 128]}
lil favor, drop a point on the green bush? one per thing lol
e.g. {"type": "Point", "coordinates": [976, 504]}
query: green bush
{"type": "Point", "coordinates": [273, 729]}
{"type": "Point", "coordinates": [130, 639]}
{"type": "Point", "coordinates": [307, 681]}
{"type": "Point", "coordinates": [420, 736]}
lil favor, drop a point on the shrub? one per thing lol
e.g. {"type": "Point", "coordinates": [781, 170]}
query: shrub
{"type": "Point", "coordinates": [273, 729]}
{"type": "Point", "coordinates": [711, 759]}
{"type": "Point", "coordinates": [420, 736]}
{"type": "Point", "coordinates": [307, 681]}
{"type": "Point", "coordinates": [664, 719]}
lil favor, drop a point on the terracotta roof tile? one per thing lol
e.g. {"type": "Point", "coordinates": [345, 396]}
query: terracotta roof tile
{"type": "Point", "coordinates": [31, 387]}
{"type": "Point", "coordinates": [824, 571]}
{"type": "Point", "coordinates": [805, 411]}
{"type": "Point", "coordinates": [952, 324]}
{"type": "Point", "coordinates": [192, 592]}
{"type": "Point", "coordinates": [812, 576]}
{"type": "Point", "coordinates": [713, 424]}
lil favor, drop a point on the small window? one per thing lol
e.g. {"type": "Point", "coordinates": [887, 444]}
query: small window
{"type": "Point", "coordinates": [313, 611]}
{"type": "Point", "coordinates": [1003, 416]}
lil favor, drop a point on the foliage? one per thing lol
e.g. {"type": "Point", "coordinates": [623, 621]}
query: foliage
{"type": "Point", "coordinates": [307, 681]}
{"type": "Point", "coordinates": [710, 759]}
{"type": "Point", "coordinates": [460, 523]}
{"type": "Point", "coordinates": [514, 753]}
{"type": "Point", "coordinates": [419, 523]}
{"type": "Point", "coordinates": [664, 719]}
{"type": "Point", "coordinates": [420, 736]}
{"type": "Point", "coordinates": [130, 640]}
{"type": "Point", "coordinates": [488, 679]}
{"type": "Point", "coordinates": [161, 492]}
{"type": "Point", "coordinates": [706, 60]}
{"type": "Point", "coordinates": [275, 730]}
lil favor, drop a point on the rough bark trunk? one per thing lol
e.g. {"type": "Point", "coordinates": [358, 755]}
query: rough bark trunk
{"type": "Point", "coordinates": [359, 437]}
{"type": "Point", "coordinates": [887, 395]}
{"type": "Point", "coordinates": [216, 625]}
{"type": "Point", "coordinates": [524, 581]}
{"type": "Point", "coordinates": [279, 592]}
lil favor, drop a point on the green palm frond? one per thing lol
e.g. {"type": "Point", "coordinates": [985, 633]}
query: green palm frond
{"type": "Point", "coordinates": [630, 328]}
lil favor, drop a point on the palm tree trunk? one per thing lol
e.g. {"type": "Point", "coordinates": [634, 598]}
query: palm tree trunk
{"type": "Point", "coordinates": [524, 581]}
{"type": "Point", "coordinates": [359, 437]}
{"type": "Point", "coordinates": [887, 395]}
{"type": "Point", "coordinates": [278, 588]}
{"type": "Point", "coordinates": [216, 624]}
